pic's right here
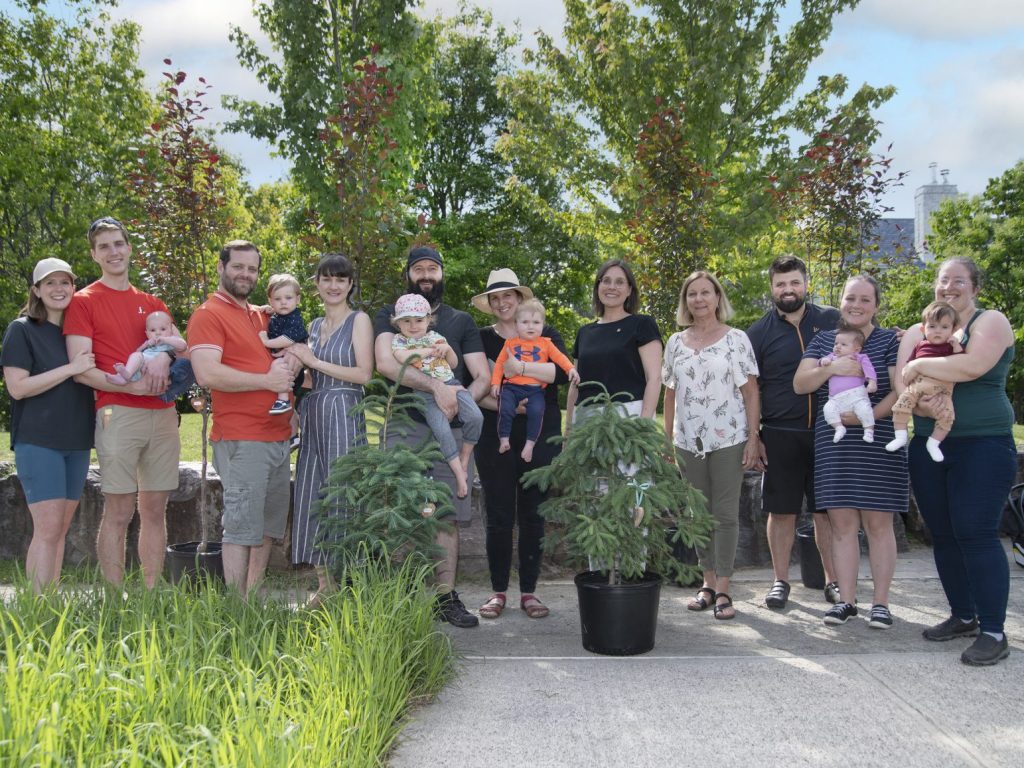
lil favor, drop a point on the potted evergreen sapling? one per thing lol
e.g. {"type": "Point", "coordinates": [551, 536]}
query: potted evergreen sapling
{"type": "Point", "coordinates": [391, 508]}
{"type": "Point", "coordinates": [618, 500]}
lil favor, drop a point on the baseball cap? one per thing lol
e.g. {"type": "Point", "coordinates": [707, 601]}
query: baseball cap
{"type": "Point", "coordinates": [424, 253]}
{"type": "Point", "coordinates": [47, 267]}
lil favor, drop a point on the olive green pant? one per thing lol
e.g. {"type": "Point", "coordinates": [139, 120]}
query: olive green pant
{"type": "Point", "coordinates": [719, 476]}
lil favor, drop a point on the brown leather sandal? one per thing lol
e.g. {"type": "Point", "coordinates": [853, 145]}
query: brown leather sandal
{"type": "Point", "coordinates": [494, 606]}
{"type": "Point", "coordinates": [534, 608]}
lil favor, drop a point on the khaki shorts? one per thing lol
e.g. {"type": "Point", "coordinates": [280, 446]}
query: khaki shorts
{"type": "Point", "coordinates": [138, 449]}
{"type": "Point", "coordinates": [256, 477]}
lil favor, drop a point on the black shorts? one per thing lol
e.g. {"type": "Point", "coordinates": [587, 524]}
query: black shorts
{"type": "Point", "coordinates": [789, 476]}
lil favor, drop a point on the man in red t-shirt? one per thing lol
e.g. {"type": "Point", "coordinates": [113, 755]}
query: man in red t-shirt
{"type": "Point", "coordinates": [250, 445]}
{"type": "Point", "coordinates": [136, 432]}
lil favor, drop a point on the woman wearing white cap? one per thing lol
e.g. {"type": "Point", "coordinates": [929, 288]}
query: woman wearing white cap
{"type": "Point", "coordinates": [505, 500]}
{"type": "Point", "coordinates": [52, 417]}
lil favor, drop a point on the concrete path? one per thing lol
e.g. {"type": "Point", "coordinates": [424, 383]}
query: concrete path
{"type": "Point", "coordinates": [771, 688]}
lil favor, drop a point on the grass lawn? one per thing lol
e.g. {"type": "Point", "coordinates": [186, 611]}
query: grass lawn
{"type": "Point", "coordinates": [179, 677]}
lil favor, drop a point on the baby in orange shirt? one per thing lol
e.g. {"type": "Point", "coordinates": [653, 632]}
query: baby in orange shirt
{"type": "Point", "coordinates": [528, 347]}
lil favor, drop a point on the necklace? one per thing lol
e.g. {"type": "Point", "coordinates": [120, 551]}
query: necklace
{"type": "Point", "coordinates": [701, 339]}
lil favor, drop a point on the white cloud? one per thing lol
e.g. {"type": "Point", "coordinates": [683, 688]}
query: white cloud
{"type": "Point", "coordinates": [942, 19]}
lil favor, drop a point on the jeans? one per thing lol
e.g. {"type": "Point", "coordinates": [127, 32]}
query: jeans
{"type": "Point", "coordinates": [961, 500]}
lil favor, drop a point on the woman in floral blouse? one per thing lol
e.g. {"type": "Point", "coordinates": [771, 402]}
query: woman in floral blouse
{"type": "Point", "coordinates": [712, 412]}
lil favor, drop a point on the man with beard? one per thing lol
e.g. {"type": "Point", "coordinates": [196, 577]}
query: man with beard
{"type": "Point", "coordinates": [779, 339]}
{"type": "Point", "coordinates": [250, 446]}
{"type": "Point", "coordinates": [424, 276]}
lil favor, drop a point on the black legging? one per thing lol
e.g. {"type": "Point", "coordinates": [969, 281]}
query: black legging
{"type": "Point", "coordinates": [506, 503]}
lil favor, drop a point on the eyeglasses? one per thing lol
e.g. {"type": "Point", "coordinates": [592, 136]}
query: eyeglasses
{"type": "Point", "coordinates": [105, 221]}
{"type": "Point", "coordinates": [956, 282]}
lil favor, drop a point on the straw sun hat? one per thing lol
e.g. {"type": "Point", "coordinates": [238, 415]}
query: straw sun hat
{"type": "Point", "coordinates": [500, 280]}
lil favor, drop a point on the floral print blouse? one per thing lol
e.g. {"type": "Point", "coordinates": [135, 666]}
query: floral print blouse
{"type": "Point", "coordinates": [710, 413]}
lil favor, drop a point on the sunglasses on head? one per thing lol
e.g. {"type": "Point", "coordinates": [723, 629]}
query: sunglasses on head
{"type": "Point", "coordinates": [106, 220]}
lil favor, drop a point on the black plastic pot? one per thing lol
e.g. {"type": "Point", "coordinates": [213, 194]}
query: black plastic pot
{"type": "Point", "coordinates": [618, 619]}
{"type": "Point", "coordinates": [812, 574]}
{"type": "Point", "coordinates": [184, 562]}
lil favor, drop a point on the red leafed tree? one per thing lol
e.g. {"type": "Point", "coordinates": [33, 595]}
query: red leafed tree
{"type": "Point", "coordinates": [367, 223]}
{"type": "Point", "coordinates": [179, 186]}
{"type": "Point", "coordinates": [670, 227]}
{"type": "Point", "coordinates": [837, 204]}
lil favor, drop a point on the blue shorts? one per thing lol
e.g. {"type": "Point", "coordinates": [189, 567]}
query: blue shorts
{"type": "Point", "coordinates": [47, 474]}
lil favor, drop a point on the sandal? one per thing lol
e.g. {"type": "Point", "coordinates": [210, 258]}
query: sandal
{"type": "Point", "coordinates": [699, 603]}
{"type": "Point", "coordinates": [494, 606]}
{"type": "Point", "coordinates": [724, 611]}
{"type": "Point", "coordinates": [534, 608]}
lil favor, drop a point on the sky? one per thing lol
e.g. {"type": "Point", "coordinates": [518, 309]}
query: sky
{"type": "Point", "coordinates": [958, 68]}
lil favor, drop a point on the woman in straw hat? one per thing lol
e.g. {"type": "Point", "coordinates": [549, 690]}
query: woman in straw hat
{"type": "Point", "coordinates": [506, 501]}
{"type": "Point", "coordinates": [52, 416]}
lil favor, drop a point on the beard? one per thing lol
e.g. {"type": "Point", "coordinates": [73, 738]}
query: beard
{"type": "Point", "coordinates": [788, 304]}
{"type": "Point", "coordinates": [433, 294]}
{"type": "Point", "coordinates": [236, 288]}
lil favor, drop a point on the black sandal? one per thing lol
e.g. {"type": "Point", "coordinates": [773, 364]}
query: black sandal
{"type": "Point", "coordinates": [720, 608]}
{"type": "Point", "coordinates": [699, 603]}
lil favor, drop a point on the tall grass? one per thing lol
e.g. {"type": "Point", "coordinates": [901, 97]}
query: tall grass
{"type": "Point", "coordinates": [178, 678]}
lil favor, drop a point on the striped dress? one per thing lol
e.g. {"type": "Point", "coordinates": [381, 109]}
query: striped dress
{"type": "Point", "coordinates": [329, 430]}
{"type": "Point", "coordinates": [852, 473]}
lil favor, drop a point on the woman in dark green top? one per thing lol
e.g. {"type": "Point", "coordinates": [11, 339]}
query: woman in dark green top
{"type": "Point", "coordinates": [962, 497]}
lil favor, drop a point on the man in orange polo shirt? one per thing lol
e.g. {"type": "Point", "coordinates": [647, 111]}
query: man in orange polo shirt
{"type": "Point", "coordinates": [250, 446]}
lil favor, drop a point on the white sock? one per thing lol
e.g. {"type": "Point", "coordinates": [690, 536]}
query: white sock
{"type": "Point", "coordinates": [869, 435]}
{"type": "Point", "coordinates": [997, 635]}
{"type": "Point", "coordinates": [897, 442]}
{"type": "Point", "coordinates": [933, 449]}
{"type": "Point", "coordinates": [840, 433]}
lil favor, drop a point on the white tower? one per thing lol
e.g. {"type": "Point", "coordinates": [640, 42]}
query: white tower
{"type": "Point", "coordinates": [927, 199]}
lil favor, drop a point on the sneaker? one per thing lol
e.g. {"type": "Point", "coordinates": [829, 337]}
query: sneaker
{"type": "Point", "coordinates": [294, 443]}
{"type": "Point", "coordinates": [986, 651]}
{"type": "Point", "coordinates": [879, 618]}
{"type": "Point", "coordinates": [451, 609]}
{"type": "Point", "coordinates": [777, 595]}
{"type": "Point", "coordinates": [951, 629]}
{"type": "Point", "coordinates": [832, 592]}
{"type": "Point", "coordinates": [840, 613]}
{"type": "Point", "coordinates": [280, 406]}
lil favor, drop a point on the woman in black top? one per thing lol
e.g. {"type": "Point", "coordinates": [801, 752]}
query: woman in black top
{"type": "Point", "coordinates": [505, 500]}
{"type": "Point", "coordinates": [52, 417]}
{"type": "Point", "coordinates": [621, 349]}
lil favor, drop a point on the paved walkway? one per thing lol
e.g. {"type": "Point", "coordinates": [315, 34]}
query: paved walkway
{"type": "Point", "coordinates": [771, 688]}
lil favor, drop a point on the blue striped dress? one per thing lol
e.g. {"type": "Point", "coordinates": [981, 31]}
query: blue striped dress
{"type": "Point", "coordinates": [852, 473]}
{"type": "Point", "coordinates": [329, 429]}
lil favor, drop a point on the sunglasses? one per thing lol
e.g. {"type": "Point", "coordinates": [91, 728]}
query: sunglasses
{"type": "Point", "coordinates": [105, 221]}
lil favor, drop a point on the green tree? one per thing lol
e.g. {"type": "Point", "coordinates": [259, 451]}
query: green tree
{"type": "Point", "coordinates": [73, 105]}
{"type": "Point", "coordinates": [990, 229]}
{"type": "Point", "coordinates": [315, 48]}
{"type": "Point", "coordinates": [734, 80]}
{"type": "Point", "coordinates": [479, 214]}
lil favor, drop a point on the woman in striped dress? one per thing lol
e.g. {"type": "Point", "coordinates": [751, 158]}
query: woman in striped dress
{"type": "Point", "coordinates": [858, 482]}
{"type": "Point", "coordinates": [339, 355]}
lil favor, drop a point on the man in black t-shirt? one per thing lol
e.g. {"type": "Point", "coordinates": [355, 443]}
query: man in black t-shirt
{"type": "Point", "coordinates": [779, 339]}
{"type": "Point", "coordinates": [425, 276]}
